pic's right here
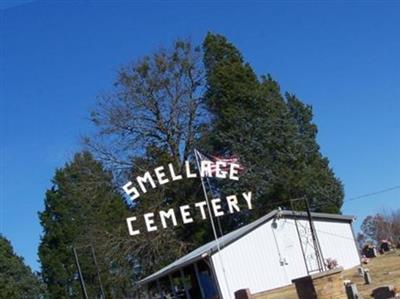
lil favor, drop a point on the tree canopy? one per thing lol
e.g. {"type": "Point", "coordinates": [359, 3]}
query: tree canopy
{"type": "Point", "coordinates": [272, 134]}
{"type": "Point", "coordinates": [83, 210]}
{"type": "Point", "coordinates": [16, 279]}
{"type": "Point", "coordinates": [181, 97]}
{"type": "Point", "coordinates": [162, 107]}
{"type": "Point", "coordinates": [384, 225]}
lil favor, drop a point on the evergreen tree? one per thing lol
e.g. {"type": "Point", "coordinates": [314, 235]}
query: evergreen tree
{"type": "Point", "coordinates": [82, 210]}
{"type": "Point", "coordinates": [273, 135]}
{"type": "Point", "coordinates": [17, 281]}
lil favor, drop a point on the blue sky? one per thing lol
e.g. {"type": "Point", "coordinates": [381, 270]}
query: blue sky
{"type": "Point", "coordinates": [340, 57]}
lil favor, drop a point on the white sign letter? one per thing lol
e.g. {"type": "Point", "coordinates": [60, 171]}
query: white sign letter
{"type": "Point", "coordinates": [185, 214]}
{"type": "Point", "coordinates": [216, 204]}
{"type": "Point", "coordinates": [232, 203]}
{"type": "Point", "coordinates": [219, 173]}
{"type": "Point", "coordinates": [129, 221]}
{"type": "Point", "coordinates": [169, 214]}
{"type": "Point", "coordinates": [247, 197]}
{"type": "Point", "coordinates": [148, 218]}
{"type": "Point", "coordinates": [234, 170]}
{"type": "Point", "coordinates": [161, 175]}
{"type": "Point", "coordinates": [188, 173]}
{"type": "Point", "coordinates": [205, 168]}
{"type": "Point", "coordinates": [131, 191]}
{"type": "Point", "coordinates": [173, 175]}
{"type": "Point", "coordinates": [143, 179]}
{"type": "Point", "coordinates": [201, 205]}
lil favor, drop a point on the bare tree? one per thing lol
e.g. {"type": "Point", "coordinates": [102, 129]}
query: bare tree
{"type": "Point", "coordinates": [153, 115]}
{"type": "Point", "coordinates": [156, 103]}
{"type": "Point", "coordinates": [381, 226]}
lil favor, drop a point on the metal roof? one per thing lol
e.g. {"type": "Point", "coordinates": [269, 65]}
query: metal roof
{"type": "Point", "coordinates": [211, 247]}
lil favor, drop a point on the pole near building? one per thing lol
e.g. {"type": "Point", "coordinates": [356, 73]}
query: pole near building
{"type": "Point", "coordinates": [103, 296]}
{"type": "Point", "coordinates": [317, 246]}
{"type": "Point", "coordinates": [82, 282]}
{"type": "Point", "coordinates": [314, 238]}
{"type": "Point", "coordinates": [197, 157]}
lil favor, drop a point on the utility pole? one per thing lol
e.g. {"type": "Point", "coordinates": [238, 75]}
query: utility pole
{"type": "Point", "coordinates": [82, 282]}
{"type": "Point", "coordinates": [103, 296]}
{"type": "Point", "coordinates": [197, 157]}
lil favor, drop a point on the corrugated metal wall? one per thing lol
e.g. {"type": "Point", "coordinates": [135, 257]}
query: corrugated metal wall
{"type": "Point", "coordinates": [270, 256]}
{"type": "Point", "coordinates": [337, 241]}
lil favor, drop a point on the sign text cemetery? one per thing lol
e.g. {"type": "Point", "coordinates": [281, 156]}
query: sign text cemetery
{"type": "Point", "coordinates": [184, 214]}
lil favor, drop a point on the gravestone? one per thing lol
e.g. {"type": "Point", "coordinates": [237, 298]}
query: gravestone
{"type": "Point", "coordinates": [243, 294]}
{"type": "Point", "coordinates": [386, 292]}
{"type": "Point", "coordinates": [367, 277]}
{"type": "Point", "coordinates": [360, 271]}
{"type": "Point", "coordinates": [352, 291]}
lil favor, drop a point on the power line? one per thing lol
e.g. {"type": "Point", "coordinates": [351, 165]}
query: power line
{"type": "Point", "coordinates": [286, 201]}
{"type": "Point", "coordinates": [373, 193]}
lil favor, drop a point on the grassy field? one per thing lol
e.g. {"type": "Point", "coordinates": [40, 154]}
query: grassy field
{"type": "Point", "coordinates": [384, 269]}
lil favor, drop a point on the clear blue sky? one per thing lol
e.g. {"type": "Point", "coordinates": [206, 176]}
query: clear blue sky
{"type": "Point", "coordinates": [343, 58]}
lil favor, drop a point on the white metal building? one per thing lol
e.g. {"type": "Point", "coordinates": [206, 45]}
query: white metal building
{"type": "Point", "coordinates": [263, 255]}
